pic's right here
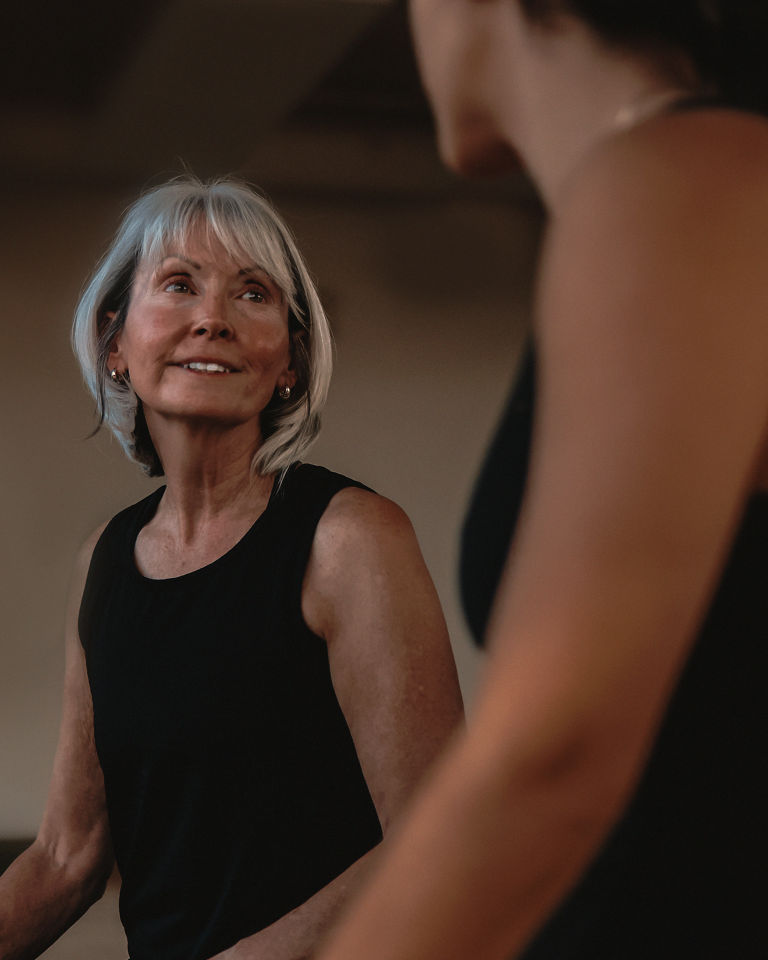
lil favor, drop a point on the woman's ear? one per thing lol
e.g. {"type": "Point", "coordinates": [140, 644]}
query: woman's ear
{"type": "Point", "coordinates": [298, 351]}
{"type": "Point", "coordinates": [288, 377]}
{"type": "Point", "coordinates": [115, 357]}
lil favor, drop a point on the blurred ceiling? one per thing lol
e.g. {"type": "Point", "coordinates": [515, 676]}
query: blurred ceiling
{"type": "Point", "coordinates": [298, 94]}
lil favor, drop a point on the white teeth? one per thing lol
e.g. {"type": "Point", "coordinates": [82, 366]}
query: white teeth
{"type": "Point", "coordinates": [206, 367]}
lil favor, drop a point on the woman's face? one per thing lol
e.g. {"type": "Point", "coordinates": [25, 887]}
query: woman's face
{"type": "Point", "coordinates": [205, 338]}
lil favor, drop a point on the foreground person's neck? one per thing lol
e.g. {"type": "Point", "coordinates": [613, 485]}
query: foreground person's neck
{"type": "Point", "coordinates": [566, 91]}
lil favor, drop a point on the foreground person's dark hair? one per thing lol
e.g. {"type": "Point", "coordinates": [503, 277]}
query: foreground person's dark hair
{"type": "Point", "coordinates": [725, 39]}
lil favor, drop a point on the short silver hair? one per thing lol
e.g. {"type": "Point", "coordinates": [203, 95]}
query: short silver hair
{"type": "Point", "coordinates": [251, 231]}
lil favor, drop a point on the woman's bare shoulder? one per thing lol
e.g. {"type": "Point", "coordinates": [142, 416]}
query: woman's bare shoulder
{"type": "Point", "coordinates": [663, 228]}
{"type": "Point", "coordinates": [359, 524]}
{"type": "Point", "coordinates": [713, 161]}
{"type": "Point", "coordinates": [359, 507]}
{"type": "Point", "coordinates": [364, 546]}
{"type": "Point", "coordinates": [89, 544]}
{"type": "Point", "coordinates": [84, 555]}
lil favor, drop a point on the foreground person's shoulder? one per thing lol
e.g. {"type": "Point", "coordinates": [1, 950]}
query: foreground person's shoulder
{"type": "Point", "coordinates": [701, 160]}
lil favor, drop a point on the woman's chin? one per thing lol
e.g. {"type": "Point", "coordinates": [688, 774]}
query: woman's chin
{"type": "Point", "coordinates": [207, 417]}
{"type": "Point", "coordinates": [473, 150]}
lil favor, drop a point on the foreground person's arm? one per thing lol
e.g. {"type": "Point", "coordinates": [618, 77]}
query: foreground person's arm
{"type": "Point", "coordinates": [652, 409]}
{"type": "Point", "coordinates": [66, 868]}
{"type": "Point", "coordinates": [367, 592]}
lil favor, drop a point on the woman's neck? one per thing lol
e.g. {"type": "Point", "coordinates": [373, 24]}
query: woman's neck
{"type": "Point", "coordinates": [208, 475]}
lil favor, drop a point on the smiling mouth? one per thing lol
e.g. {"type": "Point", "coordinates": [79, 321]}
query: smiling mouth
{"type": "Point", "coordinates": [200, 367]}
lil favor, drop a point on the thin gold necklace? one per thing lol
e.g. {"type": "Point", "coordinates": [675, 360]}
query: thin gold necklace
{"type": "Point", "coordinates": [644, 108]}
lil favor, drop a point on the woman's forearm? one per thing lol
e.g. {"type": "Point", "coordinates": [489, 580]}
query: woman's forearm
{"type": "Point", "coordinates": [481, 861]}
{"type": "Point", "coordinates": [40, 899]}
{"type": "Point", "coordinates": [298, 934]}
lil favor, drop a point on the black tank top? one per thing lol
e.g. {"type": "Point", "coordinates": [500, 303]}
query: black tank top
{"type": "Point", "coordinates": [680, 876]}
{"type": "Point", "coordinates": [233, 788]}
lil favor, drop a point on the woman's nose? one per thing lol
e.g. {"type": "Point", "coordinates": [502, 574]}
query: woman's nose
{"type": "Point", "coordinates": [214, 322]}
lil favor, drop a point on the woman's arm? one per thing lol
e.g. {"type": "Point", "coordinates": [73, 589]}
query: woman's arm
{"type": "Point", "coordinates": [367, 592]}
{"type": "Point", "coordinates": [66, 868]}
{"type": "Point", "coordinates": [652, 410]}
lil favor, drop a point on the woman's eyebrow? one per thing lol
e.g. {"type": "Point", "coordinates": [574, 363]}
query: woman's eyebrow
{"type": "Point", "coordinates": [178, 256]}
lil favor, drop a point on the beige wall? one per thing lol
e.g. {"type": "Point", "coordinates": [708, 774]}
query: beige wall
{"type": "Point", "coordinates": [427, 299]}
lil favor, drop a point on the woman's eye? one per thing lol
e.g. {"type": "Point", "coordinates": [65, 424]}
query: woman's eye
{"type": "Point", "coordinates": [177, 286]}
{"type": "Point", "coordinates": [255, 295]}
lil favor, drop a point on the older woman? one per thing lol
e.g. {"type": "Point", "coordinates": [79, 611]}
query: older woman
{"type": "Point", "coordinates": [257, 669]}
{"type": "Point", "coordinates": [605, 802]}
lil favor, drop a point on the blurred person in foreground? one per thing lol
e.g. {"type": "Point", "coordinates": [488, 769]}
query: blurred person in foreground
{"type": "Point", "coordinates": [606, 800]}
{"type": "Point", "coordinates": [257, 667]}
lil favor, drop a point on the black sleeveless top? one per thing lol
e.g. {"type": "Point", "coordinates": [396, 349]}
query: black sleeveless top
{"type": "Point", "coordinates": [679, 876]}
{"type": "Point", "coordinates": [233, 788]}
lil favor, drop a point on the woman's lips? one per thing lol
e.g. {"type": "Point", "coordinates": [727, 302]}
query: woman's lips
{"type": "Point", "coordinates": [206, 366]}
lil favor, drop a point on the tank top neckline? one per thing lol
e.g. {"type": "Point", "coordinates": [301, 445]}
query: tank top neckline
{"type": "Point", "coordinates": [147, 510]}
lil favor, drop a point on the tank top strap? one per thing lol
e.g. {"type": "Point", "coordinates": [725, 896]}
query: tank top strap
{"type": "Point", "coordinates": [296, 508]}
{"type": "Point", "coordinates": [124, 527]}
